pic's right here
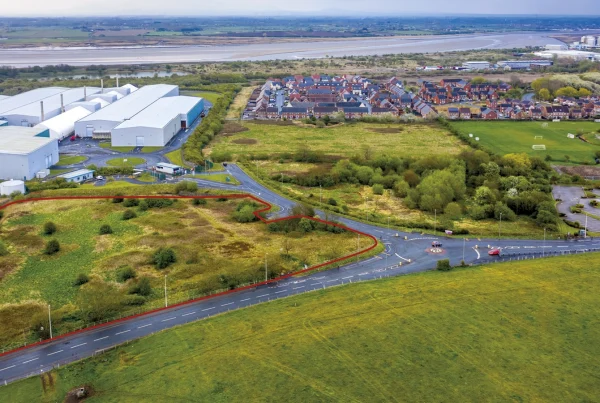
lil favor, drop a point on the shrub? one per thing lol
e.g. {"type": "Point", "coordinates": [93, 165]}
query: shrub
{"type": "Point", "coordinates": [131, 202]}
{"type": "Point", "coordinates": [1, 214]}
{"type": "Point", "coordinates": [105, 229]}
{"type": "Point", "coordinates": [3, 249]}
{"type": "Point", "coordinates": [52, 247]}
{"type": "Point", "coordinates": [164, 257]}
{"type": "Point", "coordinates": [49, 228]}
{"type": "Point", "coordinates": [378, 189]}
{"type": "Point", "coordinates": [117, 200]}
{"type": "Point", "coordinates": [453, 211]}
{"type": "Point", "coordinates": [129, 214]}
{"type": "Point", "coordinates": [332, 201]}
{"type": "Point", "coordinates": [246, 214]}
{"type": "Point", "coordinates": [142, 287]}
{"type": "Point", "coordinates": [306, 225]}
{"type": "Point", "coordinates": [186, 187]}
{"type": "Point", "coordinates": [444, 265]}
{"type": "Point", "coordinates": [198, 202]}
{"type": "Point", "coordinates": [143, 206]}
{"type": "Point", "coordinates": [134, 300]}
{"type": "Point", "coordinates": [81, 280]}
{"type": "Point", "coordinates": [125, 273]}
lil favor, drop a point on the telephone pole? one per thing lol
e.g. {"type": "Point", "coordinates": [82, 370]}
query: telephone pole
{"type": "Point", "coordinates": [50, 320]}
{"type": "Point", "coordinates": [166, 302]}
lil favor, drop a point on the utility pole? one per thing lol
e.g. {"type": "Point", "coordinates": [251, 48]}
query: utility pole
{"type": "Point", "coordinates": [585, 230]}
{"type": "Point", "coordinates": [435, 222]}
{"type": "Point", "coordinates": [321, 193]}
{"type": "Point", "coordinates": [464, 242]}
{"type": "Point", "coordinates": [266, 270]}
{"type": "Point", "coordinates": [544, 248]}
{"type": "Point", "coordinates": [357, 245]}
{"type": "Point", "coordinates": [499, 223]}
{"type": "Point", "coordinates": [50, 320]}
{"type": "Point", "coordinates": [166, 302]}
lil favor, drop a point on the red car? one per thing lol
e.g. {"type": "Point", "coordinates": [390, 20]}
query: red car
{"type": "Point", "coordinates": [494, 252]}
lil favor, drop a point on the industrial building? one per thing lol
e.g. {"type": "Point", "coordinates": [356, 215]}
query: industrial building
{"type": "Point", "coordinates": [63, 125]}
{"type": "Point", "coordinates": [476, 65]}
{"type": "Point", "coordinates": [524, 64]}
{"type": "Point", "coordinates": [3, 123]}
{"type": "Point", "coordinates": [3, 97]}
{"type": "Point", "coordinates": [35, 110]}
{"type": "Point", "coordinates": [79, 176]}
{"type": "Point", "coordinates": [158, 123]}
{"type": "Point", "coordinates": [12, 186]}
{"type": "Point", "coordinates": [24, 151]}
{"type": "Point", "coordinates": [100, 124]}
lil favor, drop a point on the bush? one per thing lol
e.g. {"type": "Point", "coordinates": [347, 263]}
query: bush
{"type": "Point", "coordinates": [3, 249]}
{"type": "Point", "coordinates": [81, 280]}
{"type": "Point", "coordinates": [332, 201]}
{"type": "Point", "coordinates": [1, 214]}
{"type": "Point", "coordinates": [164, 257]}
{"type": "Point", "coordinates": [453, 211]}
{"type": "Point", "coordinates": [125, 273]}
{"type": "Point", "coordinates": [49, 228]}
{"type": "Point", "coordinates": [52, 247]}
{"type": "Point", "coordinates": [129, 214]}
{"type": "Point", "coordinates": [142, 287]}
{"type": "Point", "coordinates": [378, 189]}
{"type": "Point", "coordinates": [131, 202]}
{"type": "Point", "coordinates": [199, 202]}
{"type": "Point", "coordinates": [186, 187]}
{"type": "Point", "coordinates": [134, 300]}
{"type": "Point", "coordinates": [444, 265]}
{"type": "Point", "coordinates": [244, 212]}
{"type": "Point", "coordinates": [143, 206]}
{"type": "Point", "coordinates": [117, 200]}
{"type": "Point", "coordinates": [105, 229]}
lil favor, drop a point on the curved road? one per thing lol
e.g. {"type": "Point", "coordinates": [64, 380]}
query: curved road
{"type": "Point", "coordinates": [400, 256]}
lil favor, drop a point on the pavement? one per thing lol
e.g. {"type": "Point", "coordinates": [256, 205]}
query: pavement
{"type": "Point", "coordinates": [571, 195]}
{"type": "Point", "coordinates": [404, 253]}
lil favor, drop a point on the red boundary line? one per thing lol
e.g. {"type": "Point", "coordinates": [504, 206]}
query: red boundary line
{"type": "Point", "coordinates": [267, 207]}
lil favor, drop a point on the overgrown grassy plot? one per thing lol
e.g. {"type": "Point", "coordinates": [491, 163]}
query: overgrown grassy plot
{"type": "Point", "coordinates": [525, 331]}
{"type": "Point", "coordinates": [519, 137]}
{"type": "Point", "coordinates": [212, 252]}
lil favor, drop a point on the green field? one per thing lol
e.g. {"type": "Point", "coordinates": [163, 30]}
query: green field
{"type": "Point", "coordinates": [513, 332]}
{"type": "Point", "coordinates": [176, 158]}
{"type": "Point", "coordinates": [341, 140]}
{"type": "Point", "coordinates": [211, 97]}
{"type": "Point", "coordinates": [213, 252]}
{"type": "Point", "coordinates": [518, 137]}
{"type": "Point", "coordinates": [106, 144]}
{"type": "Point", "coordinates": [125, 162]}
{"type": "Point", "coordinates": [70, 159]}
{"type": "Point", "coordinates": [222, 178]}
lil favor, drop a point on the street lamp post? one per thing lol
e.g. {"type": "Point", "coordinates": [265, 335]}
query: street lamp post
{"type": "Point", "coordinates": [50, 320]}
{"type": "Point", "coordinates": [166, 301]}
{"type": "Point", "coordinates": [464, 242]}
{"type": "Point", "coordinates": [585, 230]}
{"type": "Point", "coordinates": [544, 248]}
{"type": "Point", "coordinates": [435, 222]}
{"type": "Point", "coordinates": [266, 269]}
{"type": "Point", "coordinates": [321, 193]}
{"type": "Point", "coordinates": [499, 223]}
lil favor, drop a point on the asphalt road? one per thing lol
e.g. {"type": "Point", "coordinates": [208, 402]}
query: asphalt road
{"type": "Point", "coordinates": [571, 195]}
{"type": "Point", "coordinates": [401, 256]}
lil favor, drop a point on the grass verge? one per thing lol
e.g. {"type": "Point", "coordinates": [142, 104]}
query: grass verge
{"type": "Point", "coordinates": [125, 162]}
{"type": "Point", "coordinates": [70, 159]}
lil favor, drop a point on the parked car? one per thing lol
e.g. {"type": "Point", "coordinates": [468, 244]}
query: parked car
{"type": "Point", "coordinates": [494, 252]}
{"type": "Point", "coordinates": [436, 244]}
{"type": "Point", "coordinates": [100, 178]}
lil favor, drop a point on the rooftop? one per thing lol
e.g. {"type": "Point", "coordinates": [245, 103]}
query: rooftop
{"type": "Point", "coordinates": [73, 174]}
{"type": "Point", "coordinates": [28, 97]}
{"type": "Point", "coordinates": [53, 102]}
{"type": "Point", "coordinates": [161, 112]}
{"type": "Point", "coordinates": [22, 140]}
{"type": "Point", "coordinates": [132, 104]}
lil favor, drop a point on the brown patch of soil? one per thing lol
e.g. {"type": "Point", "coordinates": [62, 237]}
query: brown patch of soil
{"type": "Point", "coordinates": [71, 396]}
{"type": "Point", "coordinates": [581, 170]}
{"type": "Point", "coordinates": [235, 248]}
{"type": "Point", "coordinates": [229, 129]}
{"type": "Point", "coordinates": [386, 130]}
{"type": "Point", "coordinates": [245, 141]}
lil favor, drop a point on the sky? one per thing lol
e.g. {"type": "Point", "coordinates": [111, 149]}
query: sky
{"type": "Point", "coordinates": [304, 7]}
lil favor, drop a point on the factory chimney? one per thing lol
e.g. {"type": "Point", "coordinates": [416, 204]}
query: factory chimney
{"type": "Point", "coordinates": [102, 86]}
{"type": "Point", "coordinates": [62, 104]}
{"type": "Point", "coordinates": [85, 93]}
{"type": "Point", "coordinates": [117, 81]}
{"type": "Point", "coordinates": [42, 111]}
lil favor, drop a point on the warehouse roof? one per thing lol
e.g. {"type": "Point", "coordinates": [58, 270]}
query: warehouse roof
{"type": "Point", "coordinates": [52, 102]}
{"type": "Point", "coordinates": [161, 112]}
{"type": "Point", "coordinates": [28, 97]}
{"type": "Point", "coordinates": [76, 173]}
{"type": "Point", "coordinates": [22, 140]}
{"type": "Point", "coordinates": [132, 104]}
{"type": "Point", "coordinates": [62, 125]}
{"type": "Point", "coordinates": [2, 97]}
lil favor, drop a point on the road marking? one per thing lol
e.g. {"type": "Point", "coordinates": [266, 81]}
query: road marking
{"type": "Point", "coordinates": [331, 281]}
{"type": "Point", "coordinates": [319, 278]}
{"type": "Point", "coordinates": [3, 369]}
{"type": "Point", "coordinates": [363, 274]}
{"type": "Point", "coordinates": [164, 320]}
{"type": "Point", "coordinates": [476, 251]}
{"type": "Point", "coordinates": [56, 352]}
{"type": "Point", "coordinates": [229, 303]}
{"type": "Point", "coordinates": [79, 345]}
{"type": "Point", "coordinates": [277, 292]}
{"type": "Point", "coordinates": [33, 359]}
{"type": "Point", "coordinates": [295, 288]}
{"type": "Point", "coordinates": [208, 309]}
{"type": "Point", "coordinates": [561, 246]}
{"type": "Point", "coordinates": [406, 260]}
{"type": "Point", "coordinates": [529, 247]}
{"type": "Point", "coordinates": [124, 331]}
{"type": "Point", "coordinates": [260, 296]}
{"type": "Point", "coordinates": [101, 338]}
{"type": "Point", "coordinates": [189, 313]}
{"type": "Point", "coordinates": [139, 327]}
{"type": "Point", "coordinates": [247, 299]}
{"type": "Point", "coordinates": [344, 278]}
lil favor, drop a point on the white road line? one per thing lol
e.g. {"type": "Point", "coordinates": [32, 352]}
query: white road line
{"type": "Point", "coordinates": [189, 313]}
{"type": "Point", "coordinates": [277, 292]}
{"type": "Point", "coordinates": [124, 331]}
{"type": "Point", "coordinates": [264, 295]}
{"type": "Point", "coordinates": [164, 320]}
{"type": "Point", "coordinates": [319, 278]}
{"type": "Point", "coordinates": [247, 299]}
{"type": "Point", "coordinates": [56, 352]}
{"type": "Point", "coordinates": [561, 246]}
{"type": "Point", "coordinates": [149, 324]}
{"type": "Point", "coordinates": [33, 359]}
{"type": "Point", "coordinates": [79, 345]}
{"type": "Point", "coordinates": [208, 309]}
{"type": "Point", "coordinates": [406, 260]}
{"type": "Point", "coordinates": [3, 369]}
{"type": "Point", "coordinates": [345, 278]}
{"type": "Point", "coordinates": [331, 281]}
{"type": "Point", "coordinates": [363, 274]}
{"type": "Point", "coordinates": [101, 338]}
{"type": "Point", "coordinates": [295, 288]}
{"type": "Point", "coordinates": [229, 303]}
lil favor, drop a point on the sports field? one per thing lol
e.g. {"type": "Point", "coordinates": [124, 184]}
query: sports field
{"type": "Point", "coordinates": [344, 140]}
{"type": "Point", "coordinates": [519, 137]}
{"type": "Point", "coordinates": [514, 332]}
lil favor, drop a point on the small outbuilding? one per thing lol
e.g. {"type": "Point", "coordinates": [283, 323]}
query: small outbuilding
{"type": "Point", "coordinates": [79, 176]}
{"type": "Point", "coordinates": [11, 186]}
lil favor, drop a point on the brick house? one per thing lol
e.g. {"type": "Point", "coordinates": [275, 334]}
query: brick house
{"type": "Point", "coordinates": [294, 113]}
{"type": "Point", "coordinates": [453, 113]}
{"type": "Point", "coordinates": [464, 113]}
{"type": "Point", "coordinates": [489, 114]}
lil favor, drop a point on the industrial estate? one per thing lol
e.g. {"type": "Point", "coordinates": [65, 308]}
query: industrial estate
{"type": "Point", "coordinates": [401, 227]}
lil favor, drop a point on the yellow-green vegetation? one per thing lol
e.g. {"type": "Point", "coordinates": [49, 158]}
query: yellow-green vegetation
{"type": "Point", "coordinates": [519, 331]}
{"type": "Point", "coordinates": [222, 178]}
{"type": "Point", "coordinates": [146, 177]}
{"type": "Point", "coordinates": [239, 103]}
{"type": "Point", "coordinates": [213, 252]}
{"type": "Point", "coordinates": [147, 150]}
{"type": "Point", "coordinates": [125, 162]}
{"type": "Point", "coordinates": [339, 140]}
{"type": "Point", "coordinates": [211, 97]}
{"type": "Point", "coordinates": [176, 158]}
{"type": "Point", "coordinates": [70, 159]}
{"type": "Point", "coordinates": [519, 137]}
{"type": "Point", "coordinates": [60, 171]}
{"type": "Point", "coordinates": [106, 144]}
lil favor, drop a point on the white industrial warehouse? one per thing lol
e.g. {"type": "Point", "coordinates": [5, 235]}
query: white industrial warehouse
{"type": "Point", "coordinates": [25, 151]}
{"type": "Point", "coordinates": [63, 125]}
{"type": "Point", "coordinates": [158, 123]}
